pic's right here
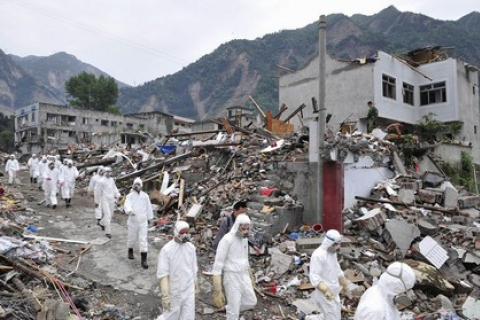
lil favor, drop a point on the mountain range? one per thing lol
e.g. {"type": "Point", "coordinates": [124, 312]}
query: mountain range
{"type": "Point", "coordinates": [240, 68]}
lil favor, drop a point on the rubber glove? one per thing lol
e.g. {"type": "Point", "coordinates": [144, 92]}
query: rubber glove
{"type": "Point", "coordinates": [344, 283]}
{"type": "Point", "coordinates": [322, 286]}
{"type": "Point", "coordinates": [252, 277]}
{"type": "Point", "coordinates": [218, 297]}
{"type": "Point", "coordinates": [165, 288]}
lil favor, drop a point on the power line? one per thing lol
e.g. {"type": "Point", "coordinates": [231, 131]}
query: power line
{"type": "Point", "coordinates": [98, 31]}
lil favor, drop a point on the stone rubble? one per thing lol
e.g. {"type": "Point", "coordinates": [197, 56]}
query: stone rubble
{"type": "Point", "coordinates": [420, 219]}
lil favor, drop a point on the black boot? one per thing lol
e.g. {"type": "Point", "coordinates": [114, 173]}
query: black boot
{"type": "Point", "coordinates": [130, 254]}
{"type": "Point", "coordinates": [31, 180]}
{"type": "Point", "coordinates": [144, 260]}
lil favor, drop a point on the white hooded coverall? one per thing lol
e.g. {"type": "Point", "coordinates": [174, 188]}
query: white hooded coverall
{"type": "Point", "coordinates": [377, 303]}
{"type": "Point", "coordinates": [51, 180]}
{"type": "Point", "coordinates": [139, 204]}
{"type": "Point", "coordinates": [178, 261]}
{"type": "Point", "coordinates": [42, 167]}
{"type": "Point", "coordinates": [324, 267]}
{"type": "Point", "coordinates": [33, 163]}
{"type": "Point", "coordinates": [232, 260]}
{"type": "Point", "coordinates": [108, 193]}
{"type": "Point", "coordinates": [69, 178]}
{"type": "Point", "coordinates": [12, 167]}
{"type": "Point", "coordinates": [93, 188]}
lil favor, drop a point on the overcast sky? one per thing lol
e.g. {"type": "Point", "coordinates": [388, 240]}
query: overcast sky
{"type": "Point", "coordinates": [140, 40]}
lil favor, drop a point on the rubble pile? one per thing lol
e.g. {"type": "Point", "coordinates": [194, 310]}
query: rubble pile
{"type": "Point", "coordinates": [422, 220]}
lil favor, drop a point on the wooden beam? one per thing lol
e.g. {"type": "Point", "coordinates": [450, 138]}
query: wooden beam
{"type": "Point", "coordinates": [302, 106]}
{"type": "Point", "coordinates": [256, 106]}
{"type": "Point", "coordinates": [283, 107]}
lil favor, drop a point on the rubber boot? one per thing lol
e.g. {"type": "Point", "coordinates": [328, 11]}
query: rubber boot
{"type": "Point", "coordinates": [31, 180]}
{"type": "Point", "coordinates": [130, 254]}
{"type": "Point", "coordinates": [144, 260]}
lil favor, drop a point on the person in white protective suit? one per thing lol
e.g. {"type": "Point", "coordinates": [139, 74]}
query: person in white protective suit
{"type": "Point", "coordinates": [58, 162]}
{"type": "Point", "coordinates": [231, 261]}
{"type": "Point", "coordinates": [69, 174]}
{"type": "Point", "coordinates": [327, 277]}
{"type": "Point", "coordinates": [379, 301]}
{"type": "Point", "coordinates": [92, 186]}
{"type": "Point", "coordinates": [139, 209]}
{"type": "Point", "coordinates": [33, 168]}
{"type": "Point", "coordinates": [42, 167]}
{"type": "Point", "coordinates": [52, 179]}
{"type": "Point", "coordinates": [177, 273]}
{"type": "Point", "coordinates": [11, 168]}
{"type": "Point", "coordinates": [108, 194]}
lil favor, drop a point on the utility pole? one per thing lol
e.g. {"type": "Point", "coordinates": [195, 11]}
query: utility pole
{"type": "Point", "coordinates": [322, 52]}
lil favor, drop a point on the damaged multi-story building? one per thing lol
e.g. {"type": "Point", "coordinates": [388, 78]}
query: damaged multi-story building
{"type": "Point", "coordinates": [40, 127]}
{"type": "Point", "coordinates": [404, 88]}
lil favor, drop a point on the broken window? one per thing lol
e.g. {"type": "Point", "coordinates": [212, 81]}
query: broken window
{"type": "Point", "coordinates": [141, 127]}
{"type": "Point", "coordinates": [388, 86]}
{"type": "Point", "coordinates": [87, 120]}
{"type": "Point", "coordinates": [52, 118]}
{"type": "Point", "coordinates": [129, 125]}
{"type": "Point", "coordinates": [408, 90]}
{"type": "Point", "coordinates": [113, 123]}
{"type": "Point", "coordinates": [433, 93]}
{"type": "Point", "coordinates": [104, 123]}
{"type": "Point", "coordinates": [33, 117]}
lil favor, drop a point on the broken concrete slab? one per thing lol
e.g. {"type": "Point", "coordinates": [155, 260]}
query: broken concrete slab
{"type": "Point", "coordinates": [468, 201]}
{"type": "Point", "coordinates": [308, 245]}
{"type": "Point", "coordinates": [280, 263]}
{"type": "Point", "coordinates": [427, 226]}
{"type": "Point", "coordinates": [372, 219]}
{"type": "Point", "coordinates": [471, 308]}
{"type": "Point", "coordinates": [406, 196]}
{"type": "Point", "coordinates": [450, 197]}
{"type": "Point", "coordinates": [401, 233]}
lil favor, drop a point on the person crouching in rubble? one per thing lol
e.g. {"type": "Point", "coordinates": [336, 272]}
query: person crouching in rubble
{"type": "Point", "coordinates": [327, 277]}
{"type": "Point", "coordinates": [240, 207]}
{"type": "Point", "coordinates": [379, 301]}
{"type": "Point", "coordinates": [70, 174]}
{"type": "Point", "coordinates": [231, 260]}
{"type": "Point", "coordinates": [139, 210]}
{"type": "Point", "coordinates": [177, 271]}
{"type": "Point", "coordinates": [52, 179]}
{"type": "Point", "coordinates": [108, 194]}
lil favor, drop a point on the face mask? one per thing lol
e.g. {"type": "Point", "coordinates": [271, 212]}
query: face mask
{"type": "Point", "coordinates": [403, 300]}
{"type": "Point", "coordinates": [51, 168]}
{"type": "Point", "coordinates": [334, 248]}
{"type": "Point", "coordinates": [137, 188]}
{"type": "Point", "coordinates": [183, 238]}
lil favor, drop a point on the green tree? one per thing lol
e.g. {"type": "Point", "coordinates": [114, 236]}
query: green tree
{"type": "Point", "coordinates": [89, 92]}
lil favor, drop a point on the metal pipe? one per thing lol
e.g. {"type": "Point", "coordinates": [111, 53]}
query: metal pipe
{"type": "Point", "coordinates": [322, 52]}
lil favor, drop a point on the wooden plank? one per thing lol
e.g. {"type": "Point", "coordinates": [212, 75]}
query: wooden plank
{"type": "Point", "coordinates": [256, 106]}
{"type": "Point", "coordinates": [302, 106]}
{"type": "Point", "coordinates": [181, 195]}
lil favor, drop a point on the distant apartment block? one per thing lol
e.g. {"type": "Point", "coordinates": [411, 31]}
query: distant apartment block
{"type": "Point", "coordinates": [40, 127]}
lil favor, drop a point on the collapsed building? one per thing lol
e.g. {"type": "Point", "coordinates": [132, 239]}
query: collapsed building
{"type": "Point", "coordinates": [388, 209]}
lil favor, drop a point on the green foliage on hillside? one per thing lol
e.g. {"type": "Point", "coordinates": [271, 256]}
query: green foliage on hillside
{"type": "Point", "coordinates": [7, 129]}
{"type": "Point", "coordinates": [89, 92]}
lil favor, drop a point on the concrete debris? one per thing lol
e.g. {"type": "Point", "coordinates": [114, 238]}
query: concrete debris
{"type": "Point", "coordinates": [398, 214]}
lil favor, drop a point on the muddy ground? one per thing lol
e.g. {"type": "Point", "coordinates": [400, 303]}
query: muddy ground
{"type": "Point", "coordinates": [112, 281]}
